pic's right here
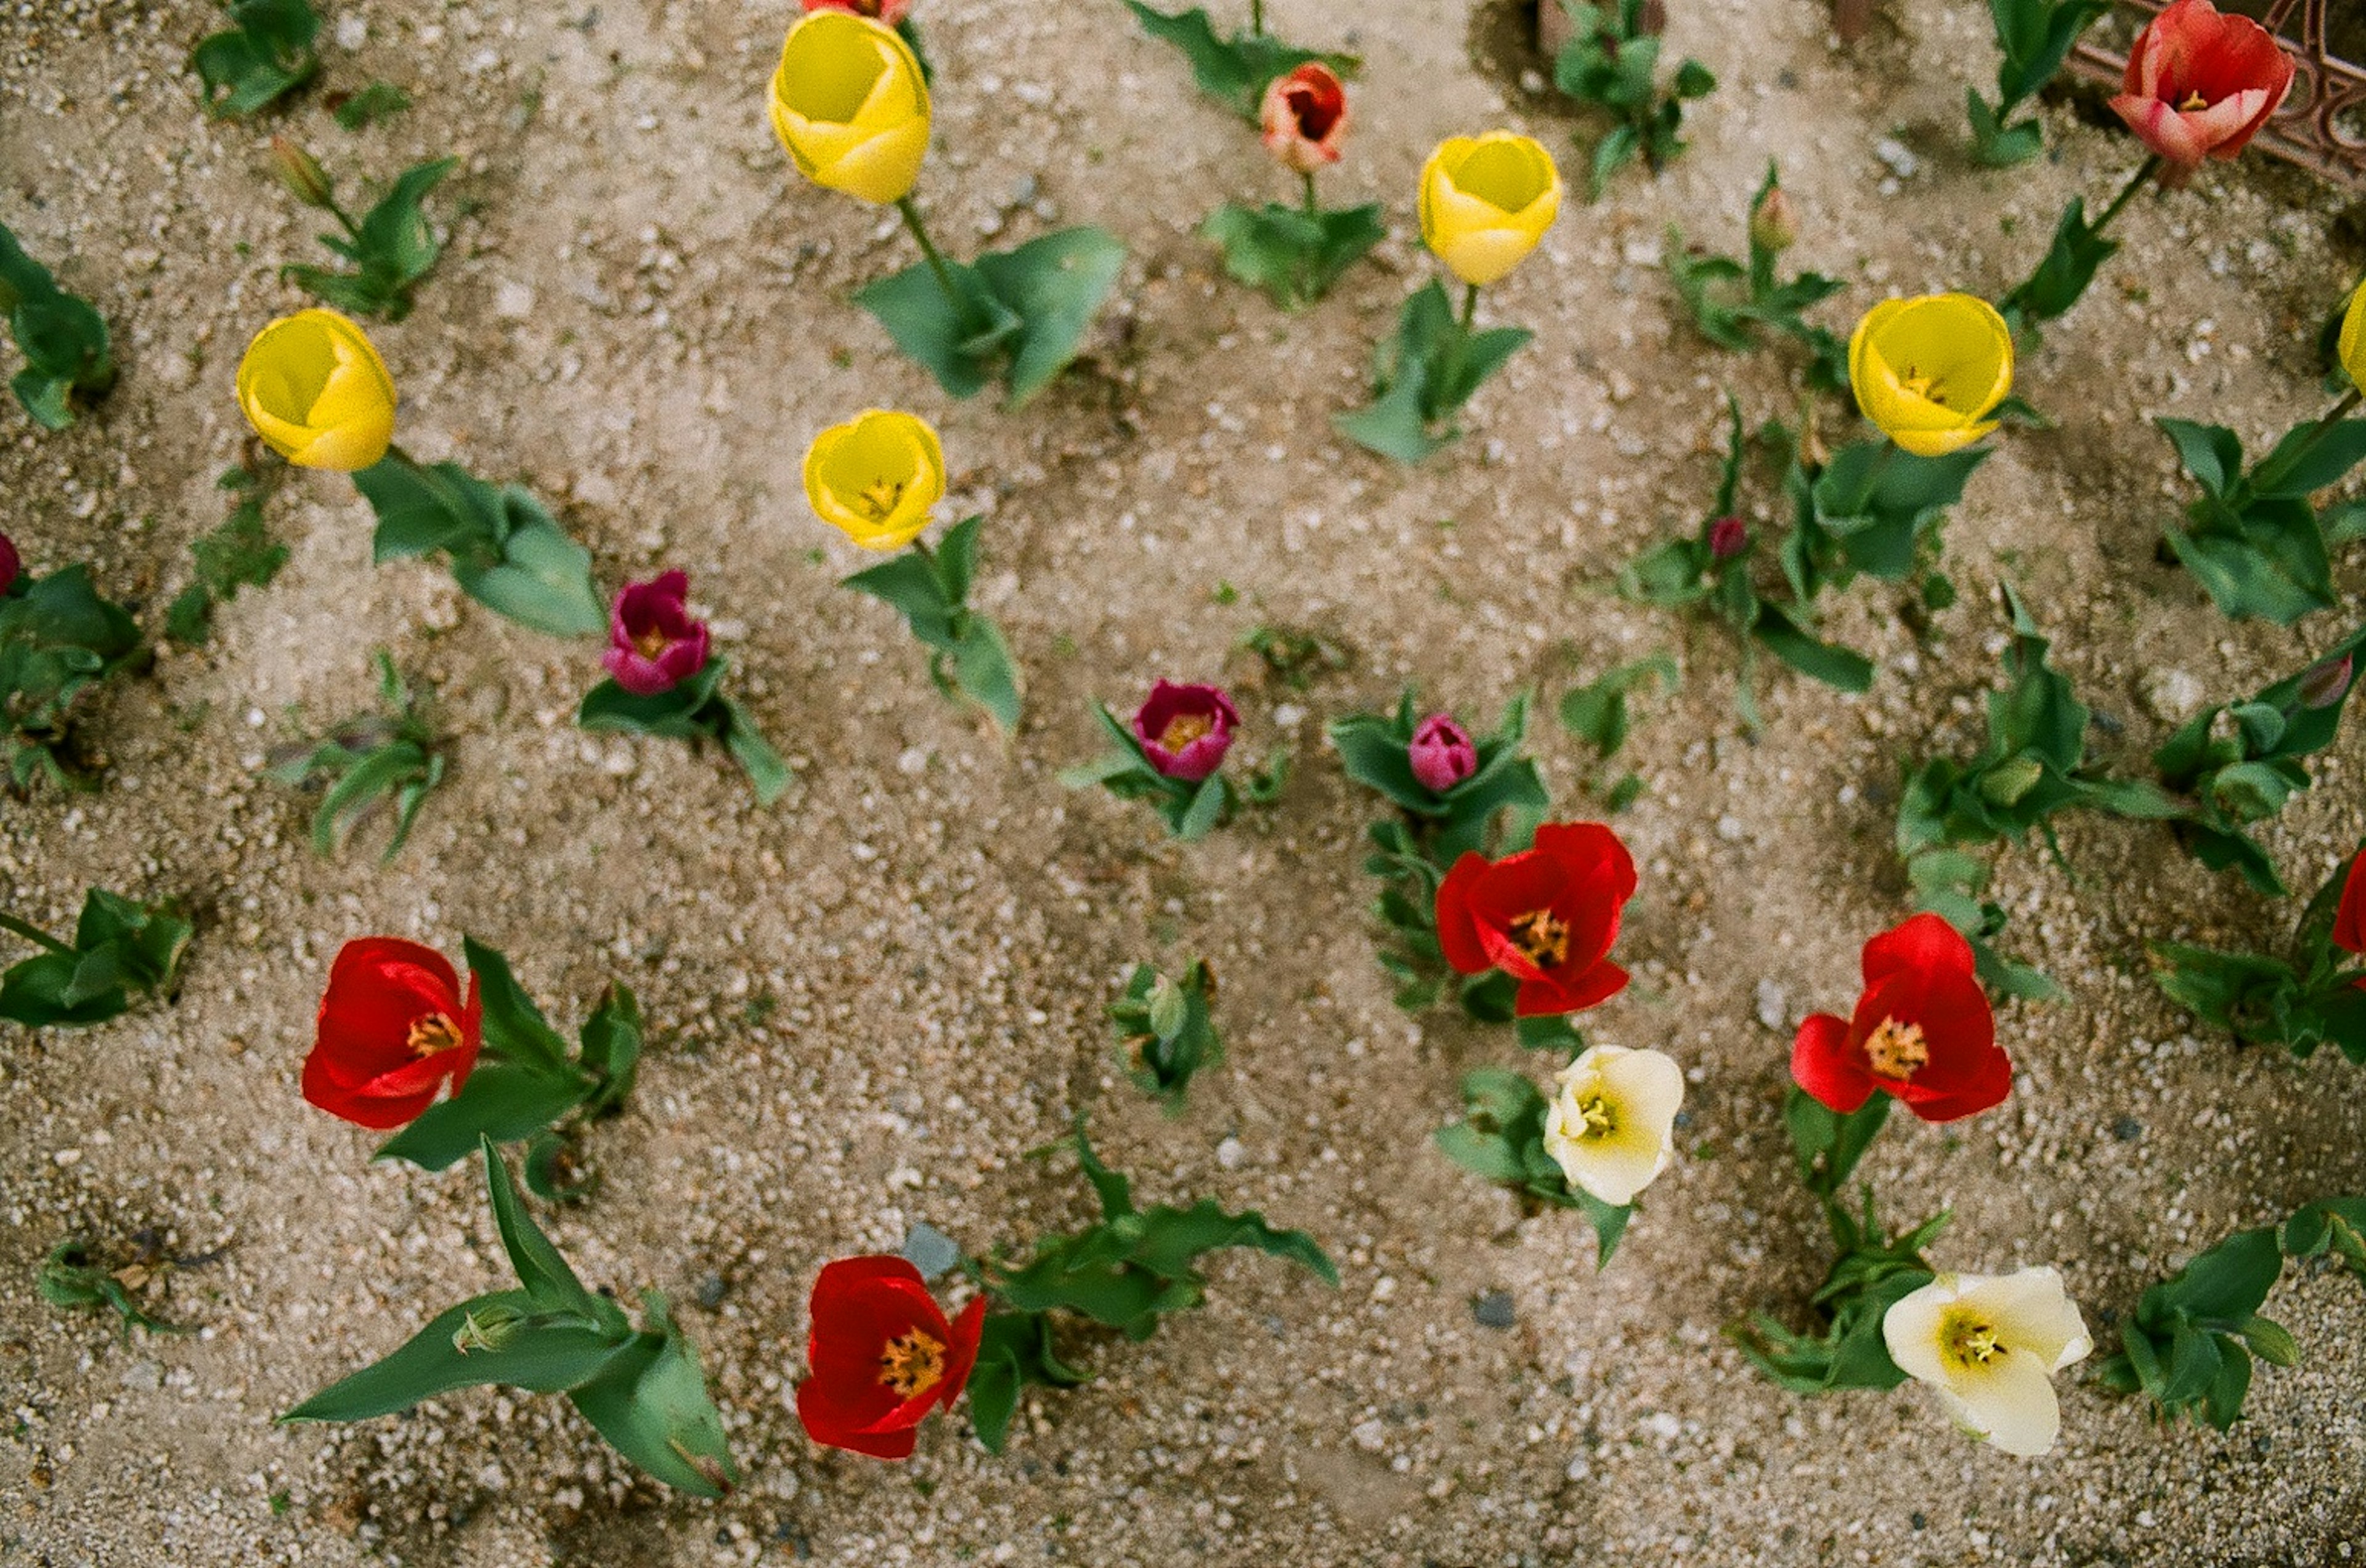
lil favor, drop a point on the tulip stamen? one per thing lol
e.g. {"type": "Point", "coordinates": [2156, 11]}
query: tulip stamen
{"type": "Point", "coordinates": [1926, 388]}
{"type": "Point", "coordinates": [1184, 728]}
{"type": "Point", "coordinates": [651, 642]}
{"type": "Point", "coordinates": [1971, 1343]}
{"type": "Point", "coordinates": [1896, 1049]}
{"type": "Point", "coordinates": [912, 1363]}
{"type": "Point", "coordinates": [2193, 102]}
{"type": "Point", "coordinates": [1597, 1118]}
{"type": "Point", "coordinates": [880, 499]}
{"type": "Point", "coordinates": [1542, 938]}
{"type": "Point", "coordinates": [431, 1034]}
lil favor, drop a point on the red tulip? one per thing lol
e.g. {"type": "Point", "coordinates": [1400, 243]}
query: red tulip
{"type": "Point", "coordinates": [1924, 1031]}
{"type": "Point", "coordinates": [2349, 920]}
{"type": "Point", "coordinates": [1305, 118]}
{"type": "Point", "coordinates": [1545, 915]}
{"type": "Point", "coordinates": [1442, 754]}
{"type": "Point", "coordinates": [2201, 84]}
{"type": "Point", "coordinates": [1185, 730]}
{"type": "Point", "coordinates": [883, 1356]}
{"type": "Point", "coordinates": [654, 642]}
{"type": "Point", "coordinates": [393, 1028]}
{"type": "Point", "coordinates": [888, 11]}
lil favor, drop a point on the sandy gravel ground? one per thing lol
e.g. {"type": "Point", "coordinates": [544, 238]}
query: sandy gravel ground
{"type": "Point", "coordinates": [872, 1002]}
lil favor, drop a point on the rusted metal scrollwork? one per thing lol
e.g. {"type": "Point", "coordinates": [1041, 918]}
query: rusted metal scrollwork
{"type": "Point", "coordinates": [2322, 126]}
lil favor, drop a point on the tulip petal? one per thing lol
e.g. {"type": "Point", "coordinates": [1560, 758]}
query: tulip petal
{"type": "Point", "coordinates": [2350, 920]}
{"type": "Point", "coordinates": [1458, 929]}
{"type": "Point", "coordinates": [2011, 1401]}
{"type": "Point", "coordinates": [1919, 942]}
{"type": "Point", "coordinates": [1910, 1330]}
{"type": "Point", "coordinates": [1822, 1065]}
{"type": "Point", "coordinates": [2032, 1312]}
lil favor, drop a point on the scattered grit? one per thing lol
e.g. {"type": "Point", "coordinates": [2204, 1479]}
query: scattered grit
{"type": "Point", "coordinates": [874, 1000]}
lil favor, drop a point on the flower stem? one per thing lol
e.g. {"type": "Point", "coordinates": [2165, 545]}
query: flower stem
{"type": "Point", "coordinates": [1256, 18]}
{"type": "Point", "coordinates": [1313, 207]}
{"type": "Point", "coordinates": [2143, 175]}
{"type": "Point", "coordinates": [936, 260]}
{"type": "Point", "coordinates": [2270, 472]}
{"type": "Point", "coordinates": [32, 933]}
{"type": "Point", "coordinates": [1470, 305]}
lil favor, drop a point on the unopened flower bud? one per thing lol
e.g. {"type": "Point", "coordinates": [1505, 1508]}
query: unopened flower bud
{"type": "Point", "coordinates": [2323, 686]}
{"type": "Point", "coordinates": [486, 1328]}
{"type": "Point", "coordinates": [301, 173]}
{"type": "Point", "coordinates": [10, 564]}
{"type": "Point", "coordinates": [1441, 754]}
{"type": "Point", "coordinates": [1727, 537]}
{"type": "Point", "coordinates": [1774, 226]}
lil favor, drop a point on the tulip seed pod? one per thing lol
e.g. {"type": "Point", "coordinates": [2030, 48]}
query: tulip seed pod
{"type": "Point", "coordinates": [1486, 202]}
{"type": "Point", "coordinates": [876, 478]}
{"type": "Point", "coordinates": [1929, 370]}
{"type": "Point", "coordinates": [315, 389]}
{"type": "Point", "coordinates": [850, 106]}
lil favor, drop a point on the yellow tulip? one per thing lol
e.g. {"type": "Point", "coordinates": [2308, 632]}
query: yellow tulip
{"type": "Point", "coordinates": [850, 106]}
{"type": "Point", "coordinates": [876, 477]}
{"type": "Point", "coordinates": [1486, 202]}
{"type": "Point", "coordinates": [1928, 370]}
{"type": "Point", "coordinates": [317, 393]}
{"type": "Point", "coordinates": [2353, 336]}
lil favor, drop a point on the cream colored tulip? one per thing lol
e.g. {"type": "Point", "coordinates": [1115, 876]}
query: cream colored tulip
{"type": "Point", "coordinates": [1611, 1125]}
{"type": "Point", "coordinates": [1990, 1344]}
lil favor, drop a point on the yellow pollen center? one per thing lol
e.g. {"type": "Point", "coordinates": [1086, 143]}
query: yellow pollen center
{"type": "Point", "coordinates": [1895, 1050]}
{"type": "Point", "coordinates": [1184, 728]}
{"type": "Point", "coordinates": [912, 1364]}
{"type": "Point", "coordinates": [879, 500]}
{"type": "Point", "coordinates": [1926, 388]}
{"type": "Point", "coordinates": [430, 1035]}
{"type": "Point", "coordinates": [2194, 101]}
{"type": "Point", "coordinates": [1542, 937]}
{"type": "Point", "coordinates": [650, 643]}
{"type": "Point", "coordinates": [1595, 1118]}
{"type": "Point", "coordinates": [1971, 1343]}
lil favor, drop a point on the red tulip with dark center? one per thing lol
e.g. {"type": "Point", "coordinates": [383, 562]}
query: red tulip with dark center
{"type": "Point", "coordinates": [883, 1356]}
{"type": "Point", "coordinates": [1305, 118]}
{"type": "Point", "coordinates": [393, 1029]}
{"type": "Point", "coordinates": [1924, 1031]}
{"type": "Point", "coordinates": [1545, 915]}
{"type": "Point", "coordinates": [2201, 84]}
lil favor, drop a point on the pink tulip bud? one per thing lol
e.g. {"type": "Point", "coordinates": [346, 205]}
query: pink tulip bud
{"type": "Point", "coordinates": [1727, 537]}
{"type": "Point", "coordinates": [1441, 754]}
{"type": "Point", "coordinates": [654, 643]}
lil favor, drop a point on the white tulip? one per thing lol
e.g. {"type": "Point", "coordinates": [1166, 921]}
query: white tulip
{"type": "Point", "coordinates": [1612, 1123]}
{"type": "Point", "coordinates": [1990, 1344]}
